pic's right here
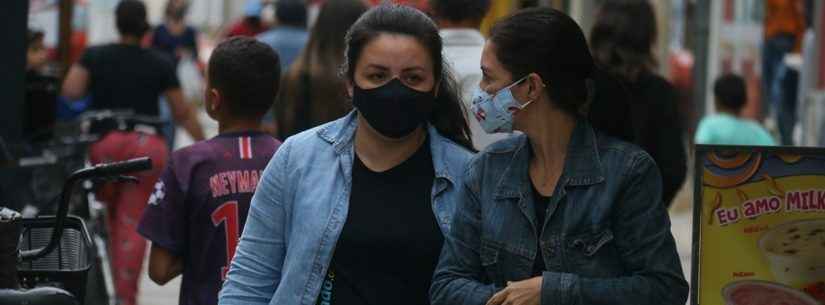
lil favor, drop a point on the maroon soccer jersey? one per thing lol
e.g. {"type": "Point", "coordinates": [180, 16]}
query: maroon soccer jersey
{"type": "Point", "coordinates": [199, 207]}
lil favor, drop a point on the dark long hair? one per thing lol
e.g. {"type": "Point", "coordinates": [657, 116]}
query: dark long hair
{"type": "Point", "coordinates": [549, 43]}
{"type": "Point", "coordinates": [623, 37]}
{"type": "Point", "coordinates": [622, 43]}
{"type": "Point", "coordinates": [313, 92]}
{"type": "Point", "coordinates": [448, 112]}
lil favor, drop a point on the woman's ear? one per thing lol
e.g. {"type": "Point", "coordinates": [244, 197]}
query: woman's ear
{"type": "Point", "coordinates": [350, 87]}
{"type": "Point", "coordinates": [535, 86]}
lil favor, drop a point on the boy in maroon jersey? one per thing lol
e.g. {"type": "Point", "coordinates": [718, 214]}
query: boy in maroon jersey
{"type": "Point", "coordinates": [195, 215]}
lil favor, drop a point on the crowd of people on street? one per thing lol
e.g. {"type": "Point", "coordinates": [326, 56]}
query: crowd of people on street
{"type": "Point", "coordinates": [389, 155]}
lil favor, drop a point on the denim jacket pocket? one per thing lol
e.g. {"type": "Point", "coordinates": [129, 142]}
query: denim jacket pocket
{"type": "Point", "coordinates": [591, 253]}
{"type": "Point", "coordinates": [503, 262]}
{"type": "Point", "coordinates": [489, 261]}
{"type": "Point", "coordinates": [590, 243]}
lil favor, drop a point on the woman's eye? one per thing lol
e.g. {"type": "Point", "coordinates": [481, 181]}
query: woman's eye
{"type": "Point", "coordinates": [414, 79]}
{"type": "Point", "coordinates": [376, 77]}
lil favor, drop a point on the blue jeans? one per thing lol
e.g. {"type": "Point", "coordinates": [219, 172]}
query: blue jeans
{"type": "Point", "coordinates": [773, 55]}
{"type": "Point", "coordinates": [168, 131]}
{"type": "Point", "coordinates": [788, 92]}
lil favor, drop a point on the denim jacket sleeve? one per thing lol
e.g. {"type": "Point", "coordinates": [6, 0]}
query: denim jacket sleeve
{"type": "Point", "coordinates": [646, 246]}
{"type": "Point", "coordinates": [256, 268]}
{"type": "Point", "coordinates": [456, 278]}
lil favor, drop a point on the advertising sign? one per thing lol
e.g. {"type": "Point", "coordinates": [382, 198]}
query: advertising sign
{"type": "Point", "coordinates": [759, 226]}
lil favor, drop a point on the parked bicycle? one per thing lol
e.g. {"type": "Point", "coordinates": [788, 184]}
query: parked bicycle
{"type": "Point", "coordinates": [50, 257]}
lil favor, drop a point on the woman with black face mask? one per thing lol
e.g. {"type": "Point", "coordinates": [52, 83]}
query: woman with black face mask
{"type": "Point", "coordinates": [355, 211]}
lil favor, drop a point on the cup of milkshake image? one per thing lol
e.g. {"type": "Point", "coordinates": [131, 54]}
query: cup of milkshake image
{"type": "Point", "coordinates": [795, 252]}
{"type": "Point", "coordinates": [750, 292]}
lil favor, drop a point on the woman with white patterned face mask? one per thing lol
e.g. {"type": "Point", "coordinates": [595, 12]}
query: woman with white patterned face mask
{"type": "Point", "coordinates": [561, 214]}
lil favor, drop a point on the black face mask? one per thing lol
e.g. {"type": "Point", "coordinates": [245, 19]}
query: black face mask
{"type": "Point", "coordinates": [394, 110]}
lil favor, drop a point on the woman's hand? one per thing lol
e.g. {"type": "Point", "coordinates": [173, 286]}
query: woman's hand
{"type": "Point", "coordinates": [526, 292]}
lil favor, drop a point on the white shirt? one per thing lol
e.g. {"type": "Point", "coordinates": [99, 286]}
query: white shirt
{"type": "Point", "coordinates": [462, 50]}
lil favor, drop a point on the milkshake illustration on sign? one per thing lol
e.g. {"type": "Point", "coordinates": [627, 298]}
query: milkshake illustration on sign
{"type": "Point", "coordinates": [795, 252]}
{"type": "Point", "coordinates": [764, 293]}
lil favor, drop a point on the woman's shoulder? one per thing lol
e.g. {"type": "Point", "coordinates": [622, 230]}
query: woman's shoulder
{"type": "Point", "coordinates": [452, 149]}
{"type": "Point", "coordinates": [655, 86]}
{"type": "Point", "coordinates": [504, 146]}
{"type": "Point", "coordinates": [447, 154]}
{"type": "Point", "coordinates": [314, 140]}
{"type": "Point", "coordinates": [313, 135]}
{"type": "Point", "coordinates": [619, 157]}
{"type": "Point", "coordinates": [651, 79]}
{"type": "Point", "coordinates": [161, 29]}
{"type": "Point", "coordinates": [497, 154]}
{"type": "Point", "coordinates": [191, 31]}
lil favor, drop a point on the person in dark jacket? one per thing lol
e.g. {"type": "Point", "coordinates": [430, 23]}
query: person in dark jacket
{"type": "Point", "coordinates": [41, 91]}
{"type": "Point", "coordinates": [312, 93]}
{"type": "Point", "coordinates": [622, 43]}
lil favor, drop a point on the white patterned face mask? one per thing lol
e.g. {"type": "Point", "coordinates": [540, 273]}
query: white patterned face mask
{"type": "Point", "coordinates": [494, 112]}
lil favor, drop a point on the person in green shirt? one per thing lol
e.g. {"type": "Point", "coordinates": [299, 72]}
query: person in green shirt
{"type": "Point", "coordinates": [726, 126]}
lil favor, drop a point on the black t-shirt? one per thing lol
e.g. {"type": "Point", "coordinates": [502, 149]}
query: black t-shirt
{"type": "Point", "coordinates": [128, 77]}
{"type": "Point", "coordinates": [541, 203]}
{"type": "Point", "coordinates": [163, 40]}
{"type": "Point", "coordinates": [40, 110]}
{"type": "Point", "coordinates": [390, 243]}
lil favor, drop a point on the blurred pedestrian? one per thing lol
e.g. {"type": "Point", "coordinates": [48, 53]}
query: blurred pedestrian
{"type": "Point", "coordinates": [727, 126]}
{"type": "Point", "coordinates": [784, 25]}
{"type": "Point", "coordinates": [622, 41]}
{"type": "Point", "coordinates": [811, 135]}
{"type": "Point", "coordinates": [125, 76]}
{"type": "Point", "coordinates": [180, 43]}
{"type": "Point", "coordinates": [174, 37]}
{"type": "Point", "coordinates": [289, 35]}
{"type": "Point", "coordinates": [41, 91]}
{"type": "Point", "coordinates": [312, 91]}
{"type": "Point", "coordinates": [355, 211]}
{"type": "Point", "coordinates": [560, 213]}
{"type": "Point", "coordinates": [251, 24]}
{"type": "Point", "coordinates": [786, 88]}
{"type": "Point", "coordinates": [37, 55]}
{"type": "Point", "coordinates": [460, 22]}
{"type": "Point", "coordinates": [193, 210]}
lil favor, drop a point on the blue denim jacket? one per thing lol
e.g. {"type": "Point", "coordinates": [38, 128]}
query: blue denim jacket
{"type": "Point", "coordinates": [300, 207]}
{"type": "Point", "coordinates": [606, 239]}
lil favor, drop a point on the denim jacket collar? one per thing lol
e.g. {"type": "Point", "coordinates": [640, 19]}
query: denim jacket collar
{"type": "Point", "coordinates": [341, 135]}
{"type": "Point", "coordinates": [582, 165]}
